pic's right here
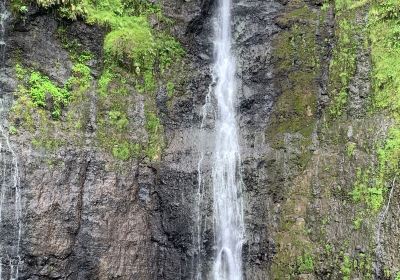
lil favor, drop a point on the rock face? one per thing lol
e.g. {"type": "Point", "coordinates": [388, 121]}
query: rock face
{"type": "Point", "coordinates": [84, 216]}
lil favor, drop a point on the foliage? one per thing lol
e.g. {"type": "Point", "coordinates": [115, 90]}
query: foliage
{"type": "Point", "coordinates": [45, 94]}
{"type": "Point", "coordinates": [343, 63]}
{"type": "Point", "coordinates": [384, 36]}
{"type": "Point", "coordinates": [170, 89]}
{"type": "Point", "coordinates": [389, 156]}
{"type": "Point", "coordinates": [136, 55]}
{"type": "Point", "coordinates": [346, 267]}
{"type": "Point", "coordinates": [384, 30]}
{"type": "Point", "coordinates": [122, 151]}
{"type": "Point", "coordinates": [12, 130]}
{"type": "Point", "coordinates": [42, 91]}
{"type": "Point", "coordinates": [23, 9]}
{"type": "Point", "coordinates": [133, 42]}
{"type": "Point", "coordinates": [104, 81]}
{"type": "Point", "coordinates": [350, 149]}
{"type": "Point", "coordinates": [154, 129]}
{"type": "Point", "coordinates": [357, 223]}
{"type": "Point", "coordinates": [368, 190]}
{"type": "Point", "coordinates": [305, 263]}
{"type": "Point", "coordinates": [118, 119]}
{"type": "Point", "coordinates": [81, 77]}
{"type": "Point", "coordinates": [338, 103]}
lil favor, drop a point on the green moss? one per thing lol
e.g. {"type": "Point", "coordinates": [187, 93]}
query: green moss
{"type": "Point", "coordinates": [52, 113]}
{"type": "Point", "coordinates": [121, 151]}
{"type": "Point", "coordinates": [137, 56]}
{"type": "Point", "coordinates": [384, 32]}
{"type": "Point", "coordinates": [346, 268]}
{"type": "Point", "coordinates": [343, 63]}
{"type": "Point", "coordinates": [155, 134]}
{"type": "Point", "coordinates": [350, 148]}
{"type": "Point", "coordinates": [118, 119]}
{"type": "Point", "coordinates": [305, 263]}
{"type": "Point", "coordinates": [104, 81]}
{"type": "Point", "coordinates": [296, 52]}
{"type": "Point", "coordinates": [357, 223]}
{"type": "Point", "coordinates": [41, 89]}
{"type": "Point", "coordinates": [368, 190]}
{"type": "Point", "coordinates": [385, 56]}
{"type": "Point", "coordinates": [170, 89]}
{"type": "Point", "coordinates": [388, 159]}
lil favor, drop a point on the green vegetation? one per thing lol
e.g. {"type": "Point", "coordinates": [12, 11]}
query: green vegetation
{"type": "Point", "coordinates": [357, 223]}
{"type": "Point", "coordinates": [384, 35]}
{"type": "Point", "coordinates": [356, 30]}
{"type": "Point", "coordinates": [125, 150]}
{"type": "Point", "coordinates": [137, 56]}
{"type": "Point", "coordinates": [343, 63]}
{"type": "Point", "coordinates": [305, 263]}
{"type": "Point", "coordinates": [346, 267]}
{"type": "Point", "coordinates": [389, 157]}
{"type": "Point", "coordinates": [170, 89]}
{"type": "Point", "coordinates": [53, 113]}
{"type": "Point", "coordinates": [155, 131]}
{"type": "Point", "coordinates": [118, 119]}
{"type": "Point", "coordinates": [296, 52]}
{"type": "Point", "coordinates": [350, 149]}
{"type": "Point", "coordinates": [131, 42]}
{"type": "Point", "coordinates": [371, 184]}
{"type": "Point", "coordinates": [41, 89]}
{"type": "Point", "coordinates": [12, 130]}
{"type": "Point", "coordinates": [44, 94]}
{"type": "Point", "coordinates": [367, 191]}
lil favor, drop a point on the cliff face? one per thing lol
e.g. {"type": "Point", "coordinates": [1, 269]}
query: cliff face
{"type": "Point", "coordinates": [91, 209]}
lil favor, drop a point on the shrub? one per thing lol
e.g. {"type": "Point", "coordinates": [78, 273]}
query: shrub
{"type": "Point", "coordinates": [121, 151]}
{"type": "Point", "coordinates": [118, 119]}
{"type": "Point", "coordinates": [305, 263]}
{"type": "Point", "coordinates": [43, 91]}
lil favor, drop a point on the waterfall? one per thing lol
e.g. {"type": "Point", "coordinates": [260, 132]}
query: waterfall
{"type": "Point", "coordinates": [226, 177]}
{"type": "Point", "coordinates": [10, 191]}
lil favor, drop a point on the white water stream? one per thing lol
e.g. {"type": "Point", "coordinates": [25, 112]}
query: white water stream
{"type": "Point", "coordinates": [226, 177]}
{"type": "Point", "coordinates": [10, 189]}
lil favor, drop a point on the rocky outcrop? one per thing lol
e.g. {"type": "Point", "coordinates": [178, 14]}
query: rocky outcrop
{"type": "Point", "coordinates": [86, 215]}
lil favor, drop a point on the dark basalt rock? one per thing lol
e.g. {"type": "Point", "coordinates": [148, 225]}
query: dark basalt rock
{"type": "Point", "coordinates": [84, 219]}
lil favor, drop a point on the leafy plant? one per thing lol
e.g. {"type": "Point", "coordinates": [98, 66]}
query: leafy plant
{"type": "Point", "coordinates": [118, 119]}
{"type": "Point", "coordinates": [45, 93]}
{"type": "Point", "coordinates": [346, 267]}
{"type": "Point", "coordinates": [350, 149]}
{"type": "Point", "coordinates": [357, 223]}
{"type": "Point", "coordinates": [23, 9]}
{"type": "Point", "coordinates": [305, 263]}
{"type": "Point", "coordinates": [121, 151]}
{"type": "Point", "coordinates": [343, 64]}
{"type": "Point", "coordinates": [368, 190]}
{"type": "Point", "coordinates": [154, 129]}
{"type": "Point", "coordinates": [12, 130]}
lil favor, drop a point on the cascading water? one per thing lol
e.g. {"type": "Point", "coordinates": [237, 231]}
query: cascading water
{"type": "Point", "coordinates": [10, 191]}
{"type": "Point", "coordinates": [226, 178]}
